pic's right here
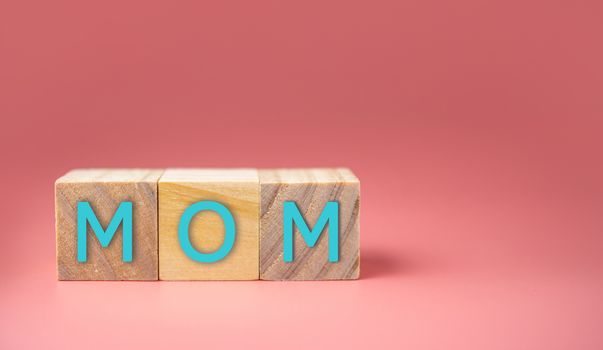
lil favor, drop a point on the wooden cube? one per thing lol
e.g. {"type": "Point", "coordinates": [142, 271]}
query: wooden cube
{"type": "Point", "coordinates": [235, 189]}
{"type": "Point", "coordinates": [310, 190]}
{"type": "Point", "coordinates": [104, 190]}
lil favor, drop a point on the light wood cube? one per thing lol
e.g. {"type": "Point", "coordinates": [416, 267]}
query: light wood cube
{"type": "Point", "coordinates": [310, 190]}
{"type": "Point", "coordinates": [104, 190]}
{"type": "Point", "coordinates": [235, 189]}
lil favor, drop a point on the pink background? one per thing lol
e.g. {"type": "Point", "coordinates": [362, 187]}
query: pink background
{"type": "Point", "coordinates": [475, 127]}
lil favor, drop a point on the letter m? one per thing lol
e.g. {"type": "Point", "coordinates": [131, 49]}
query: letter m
{"type": "Point", "coordinates": [86, 215]}
{"type": "Point", "coordinates": [291, 216]}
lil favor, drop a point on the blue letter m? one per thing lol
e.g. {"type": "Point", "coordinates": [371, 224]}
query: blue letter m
{"type": "Point", "coordinates": [86, 215]}
{"type": "Point", "coordinates": [330, 215]}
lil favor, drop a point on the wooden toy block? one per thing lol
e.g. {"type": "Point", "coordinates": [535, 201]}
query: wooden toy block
{"type": "Point", "coordinates": [196, 196]}
{"type": "Point", "coordinates": [309, 190]}
{"type": "Point", "coordinates": [96, 211]}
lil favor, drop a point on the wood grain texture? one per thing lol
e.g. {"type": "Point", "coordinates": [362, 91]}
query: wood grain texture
{"type": "Point", "coordinates": [105, 189]}
{"type": "Point", "coordinates": [310, 189]}
{"type": "Point", "coordinates": [238, 190]}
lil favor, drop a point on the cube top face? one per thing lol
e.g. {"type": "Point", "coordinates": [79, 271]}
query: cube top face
{"type": "Point", "coordinates": [104, 190]}
{"type": "Point", "coordinates": [111, 176]}
{"type": "Point", "coordinates": [203, 176]}
{"type": "Point", "coordinates": [310, 190]}
{"type": "Point", "coordinates": [308, 176]}
{"type": "Point", "coordinates": [235, 189]}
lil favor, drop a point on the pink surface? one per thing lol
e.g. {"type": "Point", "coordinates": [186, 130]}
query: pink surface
{"type": "Point", "coordinates": [474, 126]}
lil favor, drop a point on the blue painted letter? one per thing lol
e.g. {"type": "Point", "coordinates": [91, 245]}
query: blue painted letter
{"type": "Point", "coordinates": [330, 214]}
{"type": "Point", "coordinates": [86, 215]}
{"type": "Point", "coordinates": [229, 227]}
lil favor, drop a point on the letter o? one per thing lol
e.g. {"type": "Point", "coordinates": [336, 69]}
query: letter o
{"type": "Point", "coordinates": [229, 227]}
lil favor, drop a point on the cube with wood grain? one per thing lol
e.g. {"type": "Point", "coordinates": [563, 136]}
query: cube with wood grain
{"type": "Point", "coordinates": [309, 224]}
{"type": "Point", "coordinates": [106, 224]}
{"type": "Point", "coordinates": [209, 224]}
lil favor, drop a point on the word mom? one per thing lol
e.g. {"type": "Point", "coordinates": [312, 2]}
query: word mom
{"type": "Point", "coordinates": [207, 224]}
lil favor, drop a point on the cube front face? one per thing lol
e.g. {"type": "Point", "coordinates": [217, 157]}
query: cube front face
{"type": "Point", "coordinates": [105, 190]}
{"type": "Point", "coordinates": [310, 190]}
{"type": "Point", "coordinates": [235, 189]}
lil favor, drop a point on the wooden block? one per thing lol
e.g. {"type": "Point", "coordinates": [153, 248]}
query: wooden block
{"type": "Point", "coordinates": [310, 189]}
{"type": "Point", "coordinates": [105, 190]}
{"type": "Point", "coordinates": [238, 191]}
